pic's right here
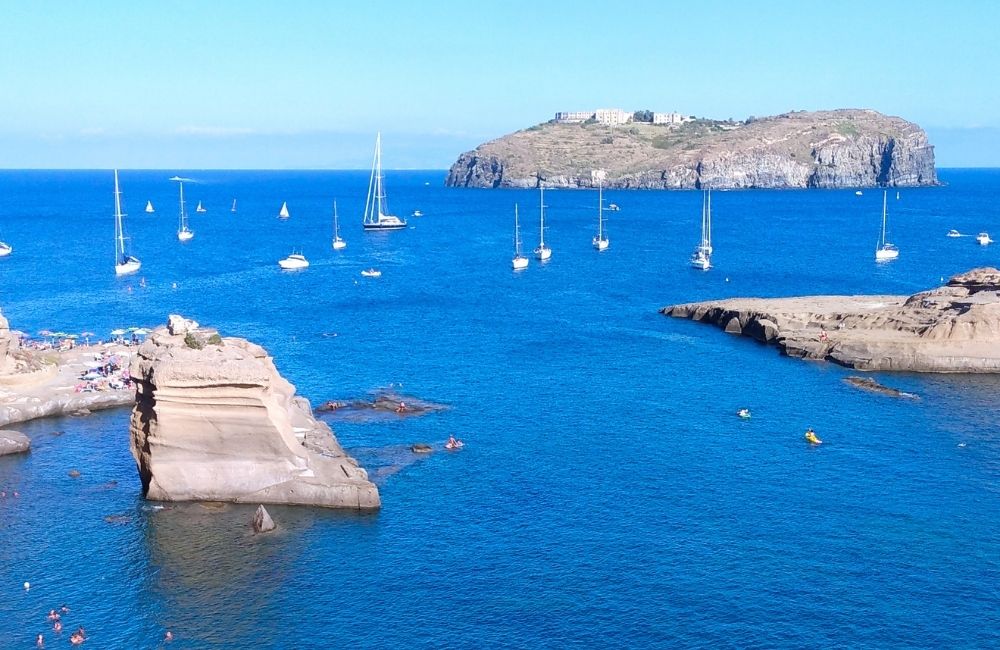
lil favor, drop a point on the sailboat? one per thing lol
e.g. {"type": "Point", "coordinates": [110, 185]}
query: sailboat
{"type": "Point", "coordinates": [600, 242]}
{"type": "Point", "coordinates": [375, 205]}
{"type": "Point", "coordinates": [543, 252]}
{"type": "Point", "coordinates": [338, 243]}
{"type": "Point", "coordinates": [283, 212]}
{"type": "Point", "coordinates": [702, 257]}
{"type": "Point", "coordinates": [520, 261]}
{"type": "Point", "coordinates": [233, 209]}
{"type": "Point", "coordinates": [5, 249]}
{"type": "Point", "coordinates": [199, 208]}
{"type": "Point", "coordinates": [149, 207]}
{"type": "Point", "coordinates": [885, 250]}
{"type": "Point", "coordinates": [183, 232]}
{"type": "Point", "coordinates": [124, 263]}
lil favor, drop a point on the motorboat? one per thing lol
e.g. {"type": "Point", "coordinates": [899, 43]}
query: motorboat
{"type": "Point", "coordinates": [954, 233]}
{"type": "Point", "coordinates": [372, 273]}
{"type": "Point", "coordinates": [293, 262]}
{"type": "Point", "coordinates": [984, 238]}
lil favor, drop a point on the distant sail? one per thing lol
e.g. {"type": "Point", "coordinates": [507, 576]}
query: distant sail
{"type": "Point", "coordinates": [149, 206]}
{"type": "Point", "coordinates": [283, 213]}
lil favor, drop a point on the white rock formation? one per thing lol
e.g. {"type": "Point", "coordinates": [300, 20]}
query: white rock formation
{"type": "Point", "coordinates": [215, 421]}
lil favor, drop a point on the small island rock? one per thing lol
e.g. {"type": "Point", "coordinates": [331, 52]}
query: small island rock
{"type": "Point", "coordinates": [13, 442]}
{"type": "Point", "coordinates": [262, 522]}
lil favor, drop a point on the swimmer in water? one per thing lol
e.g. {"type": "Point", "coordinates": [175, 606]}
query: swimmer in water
{"type": "Point", "coordinates": [76, 639]}
{"type": "Point", "coordinates": [39, 641]}
{"type": "Point", "coordinates": [53, 615]}
{"type": "Point", "coordinates": [57, 626]}
{"type": "Point", "coordinates": [169, 636]}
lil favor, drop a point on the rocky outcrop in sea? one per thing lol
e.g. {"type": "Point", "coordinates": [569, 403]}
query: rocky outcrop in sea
{"type": "Point", "coordinates": [215, 421]}
{"type": "Point", "coordinates": [823, 149]}
{"type": "Point", "coordinates": [953, 328]}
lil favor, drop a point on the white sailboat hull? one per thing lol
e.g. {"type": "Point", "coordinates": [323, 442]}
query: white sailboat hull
{"type": "Point", "coordinates": [886, 254]}
{"type": "Point", "coordinates": [149, 206]}
{"type": "Point", "coordinates": [185, 235]}
{"type": "Point", "coordinates": [131, 265]}
{"type": "Point", "coordinates": [519, 263]}
{"type": "Point", "coordinates": [600, 243]}
{"type": "Point", "coordinates": [543, 253]}
{"type": "Point", "coordinates": [372, 273]}
{"type": "Point", "coordinates": [339, 244]}
{"type": "Point", "coordinates": [984, 239]}
{"type": "Point", "coordinates": [5, 249]}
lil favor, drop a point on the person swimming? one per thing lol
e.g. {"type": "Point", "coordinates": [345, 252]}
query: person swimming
{"type": "Point", "coordinates": [53, 615]}
{"type": "Point", "coordinates": [57, 626]}
{"type": "Point", "coordinates": [40, 641]}
{"type": "Point", "coordinates": [453, 443]}
{"type": "Point", "coordinates": [811, 437]}
{"type": "Point", "coordinates": [743, 413]}
{"type": "Point", "coordinates": [402, 408]}
{"type": "Point", "coordinates": [169, 636]}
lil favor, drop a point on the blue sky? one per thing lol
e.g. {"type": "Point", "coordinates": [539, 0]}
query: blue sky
{"type": "Point", "coordinates": [297, 84]}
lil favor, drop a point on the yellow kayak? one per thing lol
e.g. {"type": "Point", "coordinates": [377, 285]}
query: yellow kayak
{"type": "Point", "coordinates": [812, 439]}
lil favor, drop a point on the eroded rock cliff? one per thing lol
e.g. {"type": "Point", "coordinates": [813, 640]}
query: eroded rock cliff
{"type": "Point", "coordinates": [954, 328]}
{"type": "Point", "coordinates": [841, 148]}
{"type": "Point", "coordinates": [215, 421]}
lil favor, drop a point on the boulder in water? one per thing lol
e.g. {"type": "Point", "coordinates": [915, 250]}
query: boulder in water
{"type": "Point", "coordinates": [13, 442]}
{"type": "Point", "coordinates": [262, 522]}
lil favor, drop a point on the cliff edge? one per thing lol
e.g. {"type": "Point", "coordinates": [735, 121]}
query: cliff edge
{"type": "Point", "coordinates": [215, 421]}
{"type": "Point", "coordinates": [953, 328]}
{"type": "Point", "coordinates": [824, 149]}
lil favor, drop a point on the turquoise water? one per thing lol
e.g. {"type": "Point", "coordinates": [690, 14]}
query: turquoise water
{"type": "Point", "coordinates": [607, 494]}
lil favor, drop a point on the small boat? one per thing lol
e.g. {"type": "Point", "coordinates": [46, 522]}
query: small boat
{"type": "Point", "coordinates": [183, 232]}
{"type": "Point", "coordinates": [375, 204]}
{"type": "Point", "coordinates": [897, 196]}
{"type": "Point", "coordinates": [984, 238]}
{"type": "Point", "coordinates": [418, 213]}
{"type": "Point", "coordinates": [5, 249]}
{"type": "Point", "coordinates": [233, 209]}
{"type": "Point", "coordinates": [811, 438]}
{"type": "Point", "coordinates": [520, 262]}
{"type": "Point", "coordinates": [543, 252]}
{"type": "Point", "coordinates": [613, 207]}
{"type": "Point", "coordinates": [124, 263]}
{"type": "Point", "coordinates": [149, 207]}
{"type": "Point", "coordinates": [293, 262]}
{"type": "Point", "coordinates": [702, 257]}
{"type": "Point", "coordinates": [953, 233]}
{"type": "Point", "coordinates": [283, 212]}
{"type": "Point", "coordinates": [743, 413]}
{"type": "Point", "coordinates": [858, 193]}
{"type": "Point", "coordinates": [338, 242]}
{"type": "Point", "coordinates": [372, 273]}
{"type": "Point", "coordinates": [200, 208]}
{"type": "Point", "coordinates": [600, 241]}
{"type": "Point", "coordinates": [885, 250]}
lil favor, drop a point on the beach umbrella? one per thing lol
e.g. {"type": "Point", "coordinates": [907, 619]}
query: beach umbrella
{"type": "Point", "coordinates": [45, 332]}
{"type": "Point", "coordinates": [118, 332]}
{"type": "Point", "coordinates": [86, 336]}
{"type": "Point", "coordinates": [141, 331]}
{"type": "Point", "coordinates": [72, 336]}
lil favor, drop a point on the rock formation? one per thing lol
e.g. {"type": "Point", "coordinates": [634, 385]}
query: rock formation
{"type": "Point", "coordinates": [954, 328]}
{"type": "Point", "coordinates": [262, 522]}
{"type": "Point", "coordinates": [841, 148]}
{"type": "Point", "coordinates": [215, 421]}
{"type": "Point", "coordinates": [13, 442]}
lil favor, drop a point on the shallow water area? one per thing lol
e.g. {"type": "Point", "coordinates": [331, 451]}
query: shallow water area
{"type": "Point", "coordinates": [607, 493]}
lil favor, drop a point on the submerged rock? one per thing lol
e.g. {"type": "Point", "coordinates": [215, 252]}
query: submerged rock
{"type": "Point", "coordinates": [421, 448]}
{"type": "Point", "coordinates": [73, 473]}
{"type": "Point", "coordinates": [954, 328]}
{"type": "Point", "coordinates": [262, 522]}
{"type": "Point", "coordinates": [13, 442]}
{"type": "Point", "coordinates": [869, 384]}
{"type": "Point", "coordinates": [219, 423]}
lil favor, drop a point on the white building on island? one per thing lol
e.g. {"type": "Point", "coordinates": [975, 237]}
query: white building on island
{"type": "Point", "coordinates": [669, 118]}
{"type": "Point", "coordinates": [573, 117]}
{"type": "Point", "coordinates": [615, 117]}
{"type": "Point", "coordinates": [612, 116]}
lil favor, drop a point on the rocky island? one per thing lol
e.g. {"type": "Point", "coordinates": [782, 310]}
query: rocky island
{"type": "Point", "coordinates": [953, 328]}
{"type": "Point", "coordinates": [823, 149]}
{"type": "Point", "coordinates": [215, 421]}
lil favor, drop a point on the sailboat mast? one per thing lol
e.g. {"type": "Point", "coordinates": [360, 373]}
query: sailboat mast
{"type": "Point", "coordinates": [119, 235]}
{"type": "Point", "coordinates": [882, 242]}
{"type": "Point", "coordinates": [517, 237]}
{"type": "Point", "coordinates": [183, 220]}
{"type": "Point", "coordinates": [600, 211]}
{"type": "Point", "coordinates": [708, 221]}
{"type": "Point", "coordinates": [541, 216]}
{"type": "Point", "coordinates": [336, 226]}
{"type": "Point", "coordinates": [378, 174]}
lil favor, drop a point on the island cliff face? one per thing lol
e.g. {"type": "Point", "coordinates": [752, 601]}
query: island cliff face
{"type": "Point", "coordinates": [824, 149]}
{"type": "Point", "coordinates": [215, 421]}
{"type": "Point", "coordinates": [954, 328]}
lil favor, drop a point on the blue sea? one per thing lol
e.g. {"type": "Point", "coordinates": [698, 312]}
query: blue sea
{"type": "Point", "coordinates": [607, 496]}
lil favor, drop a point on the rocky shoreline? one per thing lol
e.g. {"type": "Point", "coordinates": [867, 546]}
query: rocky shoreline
{"type": "Point", "coordinates": [951, 329]}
